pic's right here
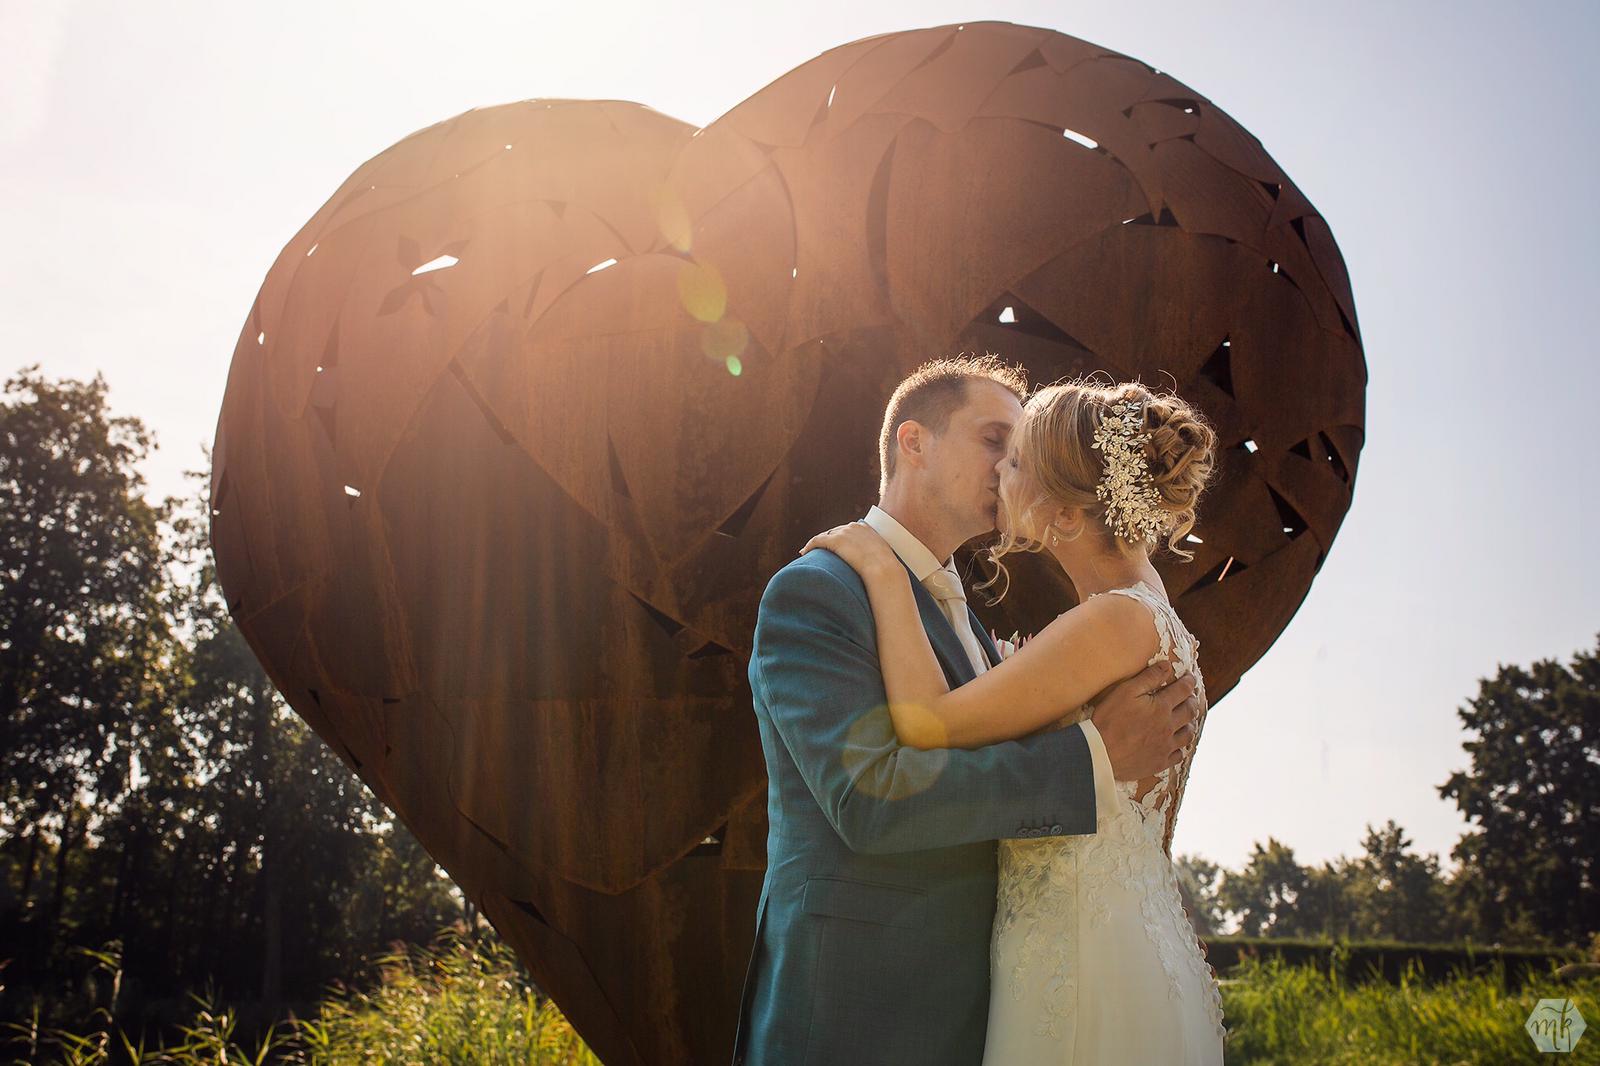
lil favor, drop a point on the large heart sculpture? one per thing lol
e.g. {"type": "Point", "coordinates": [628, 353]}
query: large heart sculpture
{"type": "Point", "coordinates": [524, 418]}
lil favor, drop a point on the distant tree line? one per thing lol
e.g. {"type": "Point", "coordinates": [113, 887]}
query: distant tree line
{"type": "Point", "coordinates": [156, 792]}
{"type": "Point", "coordinates": [1528, 868]}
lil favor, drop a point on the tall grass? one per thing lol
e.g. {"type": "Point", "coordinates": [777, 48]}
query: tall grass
{"type": "Point", "coordinates": [1308, 1016]}
{"type": "Point", "coordinates": [460, 1001]}
{"type": "Point", "coordinates": [453, 1002]}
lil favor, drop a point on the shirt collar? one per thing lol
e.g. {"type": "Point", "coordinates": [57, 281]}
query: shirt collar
{"type": "Point", "coordinates": [911, 551]}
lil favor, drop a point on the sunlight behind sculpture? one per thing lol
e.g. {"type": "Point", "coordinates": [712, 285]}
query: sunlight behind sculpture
{"type": "Point", "coordinates": [525, 416]}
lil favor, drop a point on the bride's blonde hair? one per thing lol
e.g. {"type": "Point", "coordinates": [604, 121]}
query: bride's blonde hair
{"type": "Point", "coordinates": [1059, 466]}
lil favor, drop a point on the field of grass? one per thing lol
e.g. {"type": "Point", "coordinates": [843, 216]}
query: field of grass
{"type": "Point", "coordinates": [1301, 1015]}
{"type": "Point", "coordinates": [459, 1002]}
{"type": "Point", "coordinates": [451, 1004]}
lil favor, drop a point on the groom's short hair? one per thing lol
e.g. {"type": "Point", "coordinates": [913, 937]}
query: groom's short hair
{"type": "Point", "coordinates": [933, 392]}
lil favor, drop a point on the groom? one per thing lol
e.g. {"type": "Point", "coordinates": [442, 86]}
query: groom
{"type": "Point", "coordinates": [872, 933]}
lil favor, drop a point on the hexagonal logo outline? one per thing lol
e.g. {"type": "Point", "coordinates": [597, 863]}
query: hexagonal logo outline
{"type": "Point", "coordinates": [1555, 1025]}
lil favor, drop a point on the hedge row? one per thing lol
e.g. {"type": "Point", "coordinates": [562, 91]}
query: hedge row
{"type": "Point", "coordinates": [1358, 961]}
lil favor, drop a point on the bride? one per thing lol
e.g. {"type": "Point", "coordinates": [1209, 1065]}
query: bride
{"type": "Point", "coordinates": [1092, 958]}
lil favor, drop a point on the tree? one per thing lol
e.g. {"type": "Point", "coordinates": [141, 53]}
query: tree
{"type": "Point", "coordinates": [1398, 895]}
{"type": "Point", "coordinates": [1532, 793]}
{"type": "Point", "coordinates": [1197, 878]}
{"type": "Point", "coordinates": [155, 788]}
{"type": "Point", "coordinates": [1326, 905]}
{"type": "Point", "coordinates": [1264, 894]}
{"type": "Point", "coordinates": [83, 634]}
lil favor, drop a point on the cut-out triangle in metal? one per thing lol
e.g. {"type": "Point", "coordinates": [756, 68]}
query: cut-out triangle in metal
{"type": "Point", "coordinates": [669, 625]}
{"type": "Point", "coordinates": [741, 518]}
{"type": "Point", "coordinates": [712, 845]}
{"type": "Point", "coordinates": [1030, 321]}
{"type": "Point", "coordinates": [1293, 523]}
{"type": "Point", "coordinates": [1219, 368]}
{"type": "Point", "coordinates": [1166, 218]}
{"type": "Point", "coordinates": [1334, 458]}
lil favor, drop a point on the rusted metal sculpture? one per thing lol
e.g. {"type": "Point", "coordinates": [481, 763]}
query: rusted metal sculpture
{"type": "Point", "coordinates": [523, 419]}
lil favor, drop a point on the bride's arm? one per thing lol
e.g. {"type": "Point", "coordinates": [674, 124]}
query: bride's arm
{"type": "Point", "coordinates": [912, 677]}
{"type": "Point", "coordinates": [1072, 660]}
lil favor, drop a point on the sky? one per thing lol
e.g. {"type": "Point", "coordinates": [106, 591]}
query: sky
{"type": "Point", "coordinates": [155, 158]}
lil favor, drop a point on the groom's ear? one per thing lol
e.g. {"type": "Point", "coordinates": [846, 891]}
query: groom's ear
{"type": "Point", "coordinates": [910, 438]}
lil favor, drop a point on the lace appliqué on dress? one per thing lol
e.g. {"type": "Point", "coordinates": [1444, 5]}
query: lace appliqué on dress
{"type": "Point", "coordinates": [1037, 882]}
{"type": "Point", "coordinates": [1043, 883]}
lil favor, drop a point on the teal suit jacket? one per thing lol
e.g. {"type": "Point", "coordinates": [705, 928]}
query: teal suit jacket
{"type": "Point", "coordinates": [872, 930]}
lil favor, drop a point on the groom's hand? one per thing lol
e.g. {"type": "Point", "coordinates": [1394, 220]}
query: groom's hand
{"type": "Point", "coordinates": [1147, 721]}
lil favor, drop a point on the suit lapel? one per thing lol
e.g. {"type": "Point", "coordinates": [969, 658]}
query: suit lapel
{"type": "Point", "coordinates": [946, 646]}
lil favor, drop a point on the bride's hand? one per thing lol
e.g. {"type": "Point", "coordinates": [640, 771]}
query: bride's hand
{"type": "Point", "coordinates": [859, 545]}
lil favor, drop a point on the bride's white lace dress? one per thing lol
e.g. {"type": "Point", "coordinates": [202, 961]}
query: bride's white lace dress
{"type": "Point", "coordinates": [1092, 959]}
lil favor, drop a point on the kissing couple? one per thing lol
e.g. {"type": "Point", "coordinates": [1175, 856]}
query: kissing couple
{"type": "Point", "coordinates": [968, 856]}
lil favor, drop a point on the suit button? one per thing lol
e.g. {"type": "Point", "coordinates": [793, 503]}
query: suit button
{"type": "Point", "coordinates": [1056, 828]}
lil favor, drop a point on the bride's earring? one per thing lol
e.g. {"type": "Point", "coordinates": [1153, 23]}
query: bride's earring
{"type": "Point", "coordinates": [1055, 537]}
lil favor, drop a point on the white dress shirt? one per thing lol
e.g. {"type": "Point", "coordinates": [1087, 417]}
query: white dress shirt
{"type": "Point", "coordinates": [923, 566]}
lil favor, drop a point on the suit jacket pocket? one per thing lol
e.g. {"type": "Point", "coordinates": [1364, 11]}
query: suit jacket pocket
{"type": "Point", "coordinates": [865, 901]}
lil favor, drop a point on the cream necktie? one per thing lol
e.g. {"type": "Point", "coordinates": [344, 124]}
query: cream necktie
{"type": "Point", "coordinates": [946, 588]}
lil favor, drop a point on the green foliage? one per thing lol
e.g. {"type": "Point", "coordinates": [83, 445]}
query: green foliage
{"type": "Point", "coordinates": [80, 611]}
{"type": "Point", "coordinates": [1264, 895]}
{"type": "Point", "coordinates": [1394, 893]}
{"type": "Point", "coordinates": [1307, 1016]}
{"type": "Point", "coordinates": [1386, 892]}
{"type": "Point", "coordinates": [154, 785]}
{"type": "Point", "coordinates": [1529, 871]}
{"type": "Point", "coordinates": [1533, 796]}
{"type": "Point", "coordinates": [1198, 878]}
{"type": "Point", "coordinates": [1357, 961]}
{"type": "Point", "coordinates": [455, 1001]}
